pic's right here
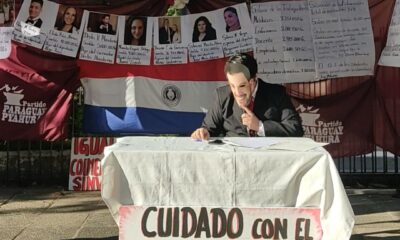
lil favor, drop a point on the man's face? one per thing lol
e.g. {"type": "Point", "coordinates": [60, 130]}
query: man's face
{"type": "Point", "coordinates": [34, 9]}
{"type": "Point", "coordinates": [106, 19]}
{"type": "Point", "coordinates": [242, 89]}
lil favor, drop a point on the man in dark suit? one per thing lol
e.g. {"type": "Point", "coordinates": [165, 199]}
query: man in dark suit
{"type": "Point", "coordinates": [248, 106]}
{"type": "Point", "coordinates": [35, 8]}
{"type": "Point", "coordinates": [105, 26]}
{"type": "Point", "coordinates": [165, 33]}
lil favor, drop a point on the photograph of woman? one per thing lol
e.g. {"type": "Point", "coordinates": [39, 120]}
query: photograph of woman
{"type": "Point", "coordinates": [67, 22]}
{"type": "Point", "coordinates": [176, 36]}
{"type": "Point", "coordinates": [231, 19]}
{"type": "Point", "coordinates": [203, 30]}
{"type": "Point", "coordinates": [135, 31]}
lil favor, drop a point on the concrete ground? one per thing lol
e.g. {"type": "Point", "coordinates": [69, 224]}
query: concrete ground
{"type": "Point", "coordinates": [52, 213]}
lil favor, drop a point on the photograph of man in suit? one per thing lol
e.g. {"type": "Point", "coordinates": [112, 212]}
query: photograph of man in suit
{"type": "Point", "coordinates": [35, 8]}
{"type": "Point", "coordinates": [165, 32]}
{"type": "Point", "coordinates": [248, 106]}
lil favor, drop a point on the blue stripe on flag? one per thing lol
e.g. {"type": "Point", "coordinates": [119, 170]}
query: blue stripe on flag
{"type": "Point", "coordinates": [126, 120]}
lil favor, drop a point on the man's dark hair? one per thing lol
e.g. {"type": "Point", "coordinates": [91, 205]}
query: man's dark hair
{"type": "Point", "coordinates": [38, 1]}
{"type": "Point", "coordinates": [243, 63]}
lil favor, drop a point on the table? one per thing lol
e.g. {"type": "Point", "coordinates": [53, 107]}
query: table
{"type": "Point", "coordinates": [178, 171]}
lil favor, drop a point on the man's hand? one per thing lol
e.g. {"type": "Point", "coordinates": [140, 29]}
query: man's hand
{"type": "Point", "coordinates": [200, 134]}
{"type": "Point", "coordinates": [249, 119]}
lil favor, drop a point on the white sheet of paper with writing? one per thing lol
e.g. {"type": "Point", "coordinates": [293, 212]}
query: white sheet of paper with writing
{"type": "Point", "coordinates": [391, 53]}
{"type": "Point", "coordinates": [65, 43]}
{"type": "Point", "coordinates": [343, 38]}
{"type": "Point", "coordinates": [289, 34]}
{"type": "Point", "coordinates": [283, 43]}
{"type": "Point", "coordinates": [239, 40]}
{"type": "Point", "coordinates": [98, 47]}
{"type": "Point", "coordinates": [132, 54]}
{"type": "Point", "coordinates": [29, 34]}
{"type": "Point", "coordinates": [5, 42]}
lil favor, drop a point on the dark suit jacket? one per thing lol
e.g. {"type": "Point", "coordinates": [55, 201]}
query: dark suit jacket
{"type": "Point", "coordinates": [108, 30]}
{"type": "Point", "coordinates": [211, 34]}
{"type": "Point", "coordinates": [272, 106]}
{"type": "Point", "coordinates": [37, 24]}
{"type": "Point", "coordinates": [163, 36]}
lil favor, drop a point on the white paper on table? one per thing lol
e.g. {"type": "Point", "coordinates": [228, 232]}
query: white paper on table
{"type": "Point", "coordinates": [251, 142]}
{"type": "Point", "coordinates": [296, 145]}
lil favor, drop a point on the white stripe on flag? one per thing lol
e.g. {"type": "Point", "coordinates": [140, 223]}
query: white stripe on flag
{"type": "Point", "coordinates": [195, 96]}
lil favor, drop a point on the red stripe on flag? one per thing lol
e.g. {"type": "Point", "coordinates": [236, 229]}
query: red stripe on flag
{"type": "Point", "coordinates": [212, 70]}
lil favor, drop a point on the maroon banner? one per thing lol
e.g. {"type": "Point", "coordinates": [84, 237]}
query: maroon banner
{"type": "Point", "coordinates": [35, 94]}
{"type": "Point", "coordinates": [343, 120]}
{"type": "Point", "coordinates": [387, 109]}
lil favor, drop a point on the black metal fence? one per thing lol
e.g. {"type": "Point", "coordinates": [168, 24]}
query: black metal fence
{"type": "Point", "coordinates": [26, 163]}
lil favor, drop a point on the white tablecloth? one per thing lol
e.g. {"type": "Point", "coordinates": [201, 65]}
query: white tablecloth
{"type": "Point", "coordinates": [177, 171]}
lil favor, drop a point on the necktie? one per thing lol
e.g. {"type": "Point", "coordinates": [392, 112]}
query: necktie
{"type": "Point", "coordinates": [252, 133]}
{"type": "Point", "coordinates": [30, 21]}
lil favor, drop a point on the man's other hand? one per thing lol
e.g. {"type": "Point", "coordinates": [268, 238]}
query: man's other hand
{"type": "Point", "coordinates": [200, 134]}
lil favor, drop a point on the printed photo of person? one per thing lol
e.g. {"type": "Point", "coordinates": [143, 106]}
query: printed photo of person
{"type": "Point", "coordinates": [68, 19]}
{"type": "Point", "coordinates": [102, 23]}
{"type": "Point", "coordinates": [105, 26]}
{"type": "Point", "coordinates": [7, 17]}
{"type": "Point", "coordinates": [231, 19]}
{"type": "Point", "coordinates": [176, 36]}
{"type": "Point", "coordinates": [165, 32]}
{"type": "Point", "coordinates": [35, 8]}
{"type": "Point", "coordinates": [135, 31]}
{"type": "Point", "coordinates": [203, 30]}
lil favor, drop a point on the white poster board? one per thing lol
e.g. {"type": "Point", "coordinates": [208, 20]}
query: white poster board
{"type": "Point", "coordinates": [65, 38]}
{"type": "Point", "coordinates": [32, 27]}
{"type": "Point", "coordinates": [302, 41]}
{"type": "Point", "coordinates": [175, 222]}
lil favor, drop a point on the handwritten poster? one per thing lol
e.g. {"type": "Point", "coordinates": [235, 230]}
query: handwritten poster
{"type": "Point", "coordinates": [85, 164]}
{"type": "Point", "coordinates": [202, 33]}
{"type": "Point", "coordinates": [236, 42]}
{"type": "Point", "coordinates": [283, 43]}
{"type": "Point", "coordinates": [202, 51]}
{"type": "Point", "coordinates": [343, 38]}
{"type": "Point", "coordinates": [170, 54]}
{"type": "Point", "coordinates": [236, 30]}
{"type": "Point", "coordinates": [32, 27]}
{"type": "Point", "coordinates": [303, 41]}
{"type": "Point", "coordinates": [170, 45]}
{"type": "Point", "coordinates": [5, 42]}
{"type": "Point", "coordinates": [391, 53]}
{"type": "Point", "coordinates": [134, 40]}
{"type": "Point", "coordinates": [99, 42]}
{"type": "Point", "coordinates": [65, 37]}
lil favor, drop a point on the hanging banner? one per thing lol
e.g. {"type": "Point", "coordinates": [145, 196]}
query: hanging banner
{"type": "Point", "coordinates": [344, 120]}
{"type": "Point", "coordinates": [85, 164]}
{"type": "Point", "coordinates": [148, 99]}
{"type": "Point", "coordinates": [36, 94]}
